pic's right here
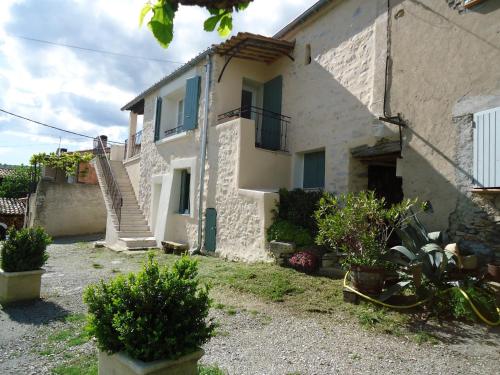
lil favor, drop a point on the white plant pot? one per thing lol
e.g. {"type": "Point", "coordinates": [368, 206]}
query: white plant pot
{"type": "Point", "coordinates": [122, 364]}
{"type": "Point", "coordinates": [20, 286]}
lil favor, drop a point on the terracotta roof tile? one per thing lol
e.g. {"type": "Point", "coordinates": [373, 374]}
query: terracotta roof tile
{"type": "Point", "coordinates": [4, 172]}
{"type": "Point", "coordinates": [11, 206]}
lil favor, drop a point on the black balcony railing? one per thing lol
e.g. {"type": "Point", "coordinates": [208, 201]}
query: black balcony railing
{"type": "Point", "coordinates": [136, 142]}
{"type": "Point", "coordinates": [174, 131]}
{"type": "Point", "coordinates": [270, 127]}
{"type": "Point", "coordinates": [113, 190]}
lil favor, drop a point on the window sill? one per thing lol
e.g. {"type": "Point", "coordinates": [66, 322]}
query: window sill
{"type": "Point", "coordinates": [486, 191]}
{"type": "Point", "coordinates": [172, 138]}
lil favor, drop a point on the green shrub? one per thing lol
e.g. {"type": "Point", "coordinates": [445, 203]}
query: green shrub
{"type": "Point", "coordinates": [158, 313]}
{"type": "Point", "coordinates": [25, 249]}
{"type": "Point", "coordinates": [360, 225]}
{"type": "Point", "coordinates": [285, 231]}
{"type": "Point", "coordinates": [298, 206]}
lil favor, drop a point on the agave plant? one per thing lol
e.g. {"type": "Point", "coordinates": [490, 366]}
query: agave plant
{"type": "Point", "coordinates": [423, 248]}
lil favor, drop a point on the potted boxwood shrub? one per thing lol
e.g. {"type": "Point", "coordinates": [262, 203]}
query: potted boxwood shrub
{"type": "Point", "coordinates": [152, 322]}
{"type": "Point", "coordinates": [360, 225]}
{"type": "Point", "coordinates": [23, 255]}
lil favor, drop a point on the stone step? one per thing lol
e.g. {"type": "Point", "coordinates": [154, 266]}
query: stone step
{"type": "Point", "coordinates": [137, 243]}
{"type": "Point", "coordinates": [134, 234]}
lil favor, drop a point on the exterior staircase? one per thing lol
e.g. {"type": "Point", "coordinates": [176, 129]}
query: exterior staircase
{"type": "Point", "coordinates": [131, 231]}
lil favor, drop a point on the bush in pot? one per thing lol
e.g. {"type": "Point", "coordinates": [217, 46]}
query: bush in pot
{"type": "Point", "coordinates": [22, 256]}
{"type": "Point", "coordinates": [158, 314]}
{"type": "Point", "coordinates": [360, 225]}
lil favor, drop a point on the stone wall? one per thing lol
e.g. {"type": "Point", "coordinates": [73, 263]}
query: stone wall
{"type": "Point", "coordinates": [476, 218]}
{"type": "Point", "coordinates": [334, 102]}
{"type": "Point", "coordinates": [443, 66]}
{"type": "Point", "coordinates": [64, 209]}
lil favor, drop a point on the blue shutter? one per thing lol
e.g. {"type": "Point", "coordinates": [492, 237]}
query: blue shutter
{"type": "Point", "coordinates": [210, 229]}
{"type": "Point", "coordinates": [314, 170]}
{"type": "Point", "coordinates": [191, 103]}
{"type": "Point", "coordinates": [158, 118]}
{"type": "Point", "coordinates": [487, 148]}
{"type": "Point", "coordinates": [271, 123]}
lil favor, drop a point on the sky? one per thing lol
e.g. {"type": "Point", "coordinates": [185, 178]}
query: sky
{"type": "Point", "coordinates": [83, 91]}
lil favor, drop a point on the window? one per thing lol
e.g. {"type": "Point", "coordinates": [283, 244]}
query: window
{"type": "Point", "coordinates": [308, 54]}
{"type": "Point", "coordinates": [180, 112]}
{"type": "Point", "coordinates": [314, 170]}
{"type": "Point", "coordinates": [487, 148]}
{"type": "Point", "coordinates": [184, 208]}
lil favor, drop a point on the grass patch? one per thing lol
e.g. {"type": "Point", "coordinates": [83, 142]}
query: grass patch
{"type": "Point", "coordinates": [297, 291]}
{"type": "Point", "coordinates": [422, 337]}
{"type": "Point", "coordinates": [97, 266]}
{"type": "Point", "coordinates": [83, 365]}
{"type": "Point", "coordinates": [210, 370]}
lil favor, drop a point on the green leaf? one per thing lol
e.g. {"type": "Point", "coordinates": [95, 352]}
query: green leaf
{"type": "Point", "coordinates": [162, 24]}
{"type": "Point", "coordinates": [210, 23]}
{"type": "Point", "coordinates": [226, 25]}
{"type": "Point", "coordinates": [405, 252]}
{"type": "Point", "coordinates": [242, 6]}
{"type": "Point", "coordinates": [145, 10]}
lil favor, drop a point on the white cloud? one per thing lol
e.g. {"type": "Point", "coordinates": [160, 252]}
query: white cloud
{"type": "Point", "coordinates": [83, 91]}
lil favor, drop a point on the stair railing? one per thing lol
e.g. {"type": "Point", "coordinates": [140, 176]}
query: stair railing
{"type": "Point", "coordinates": [113, 190]}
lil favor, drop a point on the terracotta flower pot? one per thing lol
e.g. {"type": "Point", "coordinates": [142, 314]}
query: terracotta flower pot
{"type": "Point", "coordinates": [494, 272]}
{"type": "Point", "coordinates": [367, 279]}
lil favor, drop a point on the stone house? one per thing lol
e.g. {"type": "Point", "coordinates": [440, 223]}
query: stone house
{"type": "Point", "coordinates": [385, 95]}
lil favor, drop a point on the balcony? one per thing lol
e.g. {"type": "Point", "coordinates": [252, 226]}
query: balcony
{"type": "Point", "coordinates": [135, 145]}
{"type": "Point", "coordinates": [270, 127]}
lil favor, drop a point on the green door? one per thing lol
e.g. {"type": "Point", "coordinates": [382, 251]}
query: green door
{"type": "Point", "coordinates": [210, 229]}
{"type": "Point", "coordinates": [271, 121]}
{"type": "Point", "coordinates": [314, 170]}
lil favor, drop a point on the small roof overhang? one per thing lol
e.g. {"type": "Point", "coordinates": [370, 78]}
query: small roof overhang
{"type": "Point", "coordinates": [254, 47]}
{"type": "Point", "coordinates": [387, 151]}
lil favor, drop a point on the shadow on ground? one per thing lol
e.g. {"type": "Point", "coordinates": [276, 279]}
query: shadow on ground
{"type": "Point", "coordinates": [458, 332]}
{"type": "Point", "coordinates": [38, 312]}
{"type": "Point", "coordinates": [76, 239]}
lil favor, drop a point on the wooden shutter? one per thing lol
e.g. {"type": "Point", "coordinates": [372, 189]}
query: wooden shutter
{"type": "Point", "coordinates": [158, 118]}
{"type": "Point", "coordinates": [314, 170]}
{"type": "Point", "coordinates": [191, 103]}
{"type": "Point", "coordinates": [487, 148]}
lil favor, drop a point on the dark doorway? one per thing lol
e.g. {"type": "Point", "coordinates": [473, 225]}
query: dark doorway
{"type": "Point", "coordinates": [246, 104]}
{"type": "Point", "coordinates": [385, 183]}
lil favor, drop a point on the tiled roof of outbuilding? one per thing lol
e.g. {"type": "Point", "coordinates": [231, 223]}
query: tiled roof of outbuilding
{"type": "Point", "coordinates": [4, 172]}
{"type": "Point", "coordinates": [11, 206]}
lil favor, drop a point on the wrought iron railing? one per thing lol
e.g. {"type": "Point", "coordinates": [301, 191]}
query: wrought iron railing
{"type": "Point", "coordinates": [270, 127]}
{"type": "Point", "coordinates": [177, 130]}
{"type": "Point", "coordinates": [113, 190]}
{"type": "Point", "coordinates": [136, 142]}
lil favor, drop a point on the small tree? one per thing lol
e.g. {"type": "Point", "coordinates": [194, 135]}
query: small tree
{"type": "Point", "coordinates": [163, 12]}
{"type": "Point", "coordinates": [17, 183]}
{"type": "Point", "coordinates": [68, 161]}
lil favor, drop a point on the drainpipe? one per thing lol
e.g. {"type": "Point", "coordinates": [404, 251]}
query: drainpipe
{"type": "Point", "coordinates": [203, 152]}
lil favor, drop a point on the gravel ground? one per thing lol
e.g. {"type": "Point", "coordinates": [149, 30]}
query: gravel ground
{"type": "Point", "coordinates": [254, 337]}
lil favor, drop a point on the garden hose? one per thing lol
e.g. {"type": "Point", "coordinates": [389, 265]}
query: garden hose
{"type": "Point", "coordinates": [466, 296]}
{"type": "Point", "coordinates": [380, 302]}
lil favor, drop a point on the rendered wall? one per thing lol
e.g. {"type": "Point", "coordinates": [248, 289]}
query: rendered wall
{"type": "Point", "coordinates": [334, 101]}
{"type": "Point", "coordinates": [68, 209]}
{"type": "Point", "coordinates": [445, 67]}
{"type": "Point", "coordinates": [133, 168]}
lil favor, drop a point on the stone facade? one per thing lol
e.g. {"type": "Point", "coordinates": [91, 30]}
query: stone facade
{"type": "Point", "coordinates": [476, 217]}
{"type": "Point", "coordinates": [334, 102]}
{"type": "Point", "coordinates": [437, 100]}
